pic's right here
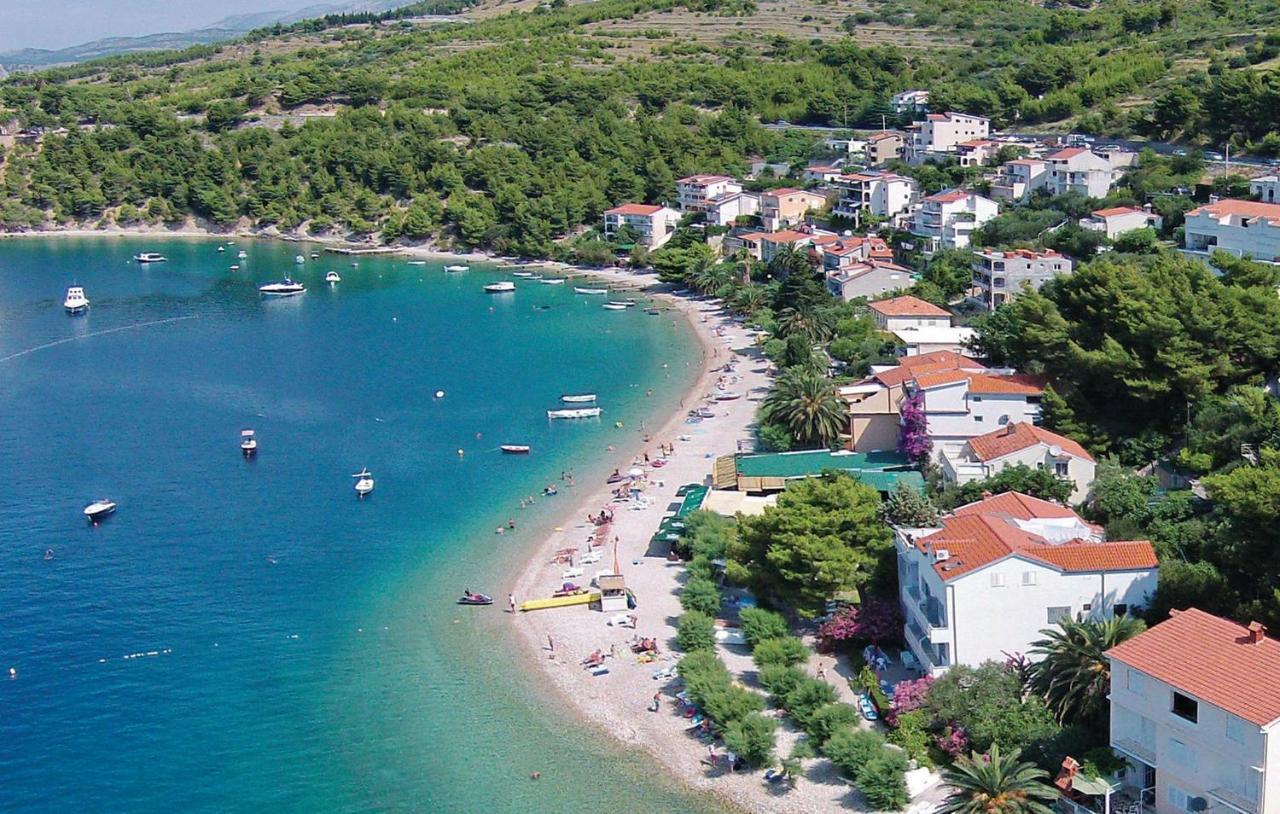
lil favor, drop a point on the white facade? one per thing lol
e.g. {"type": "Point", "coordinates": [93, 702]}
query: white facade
{"type": "Point", "coordinates": [911, 101]}
{"type": "Point", "coordinates": [919, 341]}
{"type": "Point", "coordinates": [1079, 170]}
{"type": "Point", "coordinates": [948, 219]}
{"type": "Point", "coordinates": [726, 209]}
{"type": "Point", "coordinates": [939, 133]}
{"type": "Point", "coordinates": [1017, 179]}
{"type": "Point", "coordinates": [976, 461]}
{"type": "Point", "coordinates": [696, 191]}
{"type": "Point", "coordinates": [1118, 220]}
{"type": "Point", "coordinates": [883, 194]}
{"type": "Point", "coordinates": [653, 225]}
{"type": "Point", "coordinates": [999, 276]}
{"type": "Point", "coordinates": [957, 408]}
{"type": "Point", "coordinates": [1266, 188]}
{"type": "Point", "coordinates": [1239, 227]}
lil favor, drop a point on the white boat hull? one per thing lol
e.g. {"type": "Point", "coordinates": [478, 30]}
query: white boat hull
{"type": "Point", "coordinates": [584, 398]}
{"type": "Point", "coordinates": [583, 412]}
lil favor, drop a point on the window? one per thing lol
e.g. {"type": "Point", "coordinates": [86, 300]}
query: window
{"type": "Point", "coordinates": [977, 419]}
{"type": "Point", "coordinates": [997, 580]}
{"type": "Point", "coordinates": [1235, 729]}
{"type": "Point", "coordinates": [1134, 682]}
{"type": "Point", "coordinates": [976, 398]}
{"type": "Point", "coordinates": [944, 654]}
{"type": "Point", "coordinates": [1028, 577]}
{"type": "Point", "coordinates": [1186, 707]}
{"type": "Point", "coordinates": [1058, 613]}
{"type": "Point", "coordinates": [1060, 468]}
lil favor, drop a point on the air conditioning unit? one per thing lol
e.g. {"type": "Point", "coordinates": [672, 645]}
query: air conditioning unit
{"type": "Point", "coordinates": [1197, 804]}
{"type": "Point", "coordinates": [941, 555]}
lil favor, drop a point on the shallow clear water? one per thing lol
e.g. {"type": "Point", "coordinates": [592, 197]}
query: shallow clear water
{"type": "Point", "coordinates": [309, 654]}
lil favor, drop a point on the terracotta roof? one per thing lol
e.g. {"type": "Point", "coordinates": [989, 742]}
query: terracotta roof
{"type": "Point", "coordinates": [882, 136]}
{"type": "Point", "coordinates": [1116, 210]}
{"type": "Point", "coordinates": [977, 142]}
{"type": "Point", "coordinates": [1068, 152]}
{"type": "Point", "coordinates": [1019, 505]}
{"type": "Point", "coordinates": [1247, 209]}
{"type": "Point", "coordinates": [1030, 162]}
{"type": "Point", "coordinates": [949, 196]}
{"type": "Point", "coordinates": [786, 236]}
{"type": "Point", "coordinates": [1212, 659]}
{"type": "Point", "coordinates": [634, 209]}
{"type": "Point", "coordinates": [975, 540]}
{"type": "Point", "coordinates": [783, 191]}
{"type": "Point", "coordinates": [913, 366]}
{"type": "Point", "coordinates": [1026, 254]}
{"type": "Point", "coordinates": [908, 306]}
{"type": "Point", "coordinates": [1018, 436]}
{"type": "Point", "coordinates": [986, 383]}
{"type": "Point", "coordinates": [703, 179]}
{"type": "Point", "coordinates": [938, 117]}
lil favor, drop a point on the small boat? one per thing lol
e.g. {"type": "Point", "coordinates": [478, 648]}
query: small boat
{"type": "Point", "coordinates": [248, 443]}
{"type": "Point", "coordinates": [299, 259]}
{"type": "Point", "coordinates": [581, 398]}
{"type": "Point", "coordinates": [417, 262]}
{"type": "Point", "coordinates": [364, 482]}
{"type": "Point", "coordinates": [333, 277]}
{"type": "Point", "coordinates": [653, 312]}
{"type": "Point", "coordinates": [500, 287]}
{"type": "Point", "coordinates": [99, 509]}
{"type": "Point", "coordinates": [515, 449]}
{"type": "Point", "coordinates": [468, 598]}
{"type": "Point", "coordinates": [242, 254]}
{"type": "Point", "coordinates": [454, 269]}
{"type": "Point", "coordinates": [76, 302]}
{"type": "Point", "coordinates": [727, 396]}
{"type": "Point", "coordinates": [595, 291]}
{"type": "Point", "coordinates": [580, 412]}
{"type": "Point", "coordinates": [282, 288]}
{"type": "Point", "coordinates": [623, 303]}
{"type": "Point", "coordinates": [222, 248]}
{"type": "Point", "coordinates": [522, 274]}
{"type": "Point", "coordinates": [552, 281]}
{"type": "Point", "coordinates": [314, 255]}
{"type": "Point", "coordinates": [704, 412]}
{"type": "Point", "coordinates": [614, 306]}
{"type": "Point", "coordinates": [235, 267]}
{"type": "Point", "coordinates": [150, 257]}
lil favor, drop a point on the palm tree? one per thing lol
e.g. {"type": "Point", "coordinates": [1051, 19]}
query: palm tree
{"type": "Point", "coordinates": [807, 404]}
{"type": "Point", "coordinates": [813, 323]}
{"type": "Point", "coordinates": [997, 784]}
{"type": "Point", "coordinates": [749, 298]}
{"type": "Point", "coordinates": [1073, 675]}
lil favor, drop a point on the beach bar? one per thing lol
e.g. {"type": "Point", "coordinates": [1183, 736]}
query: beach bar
{"type": "Point", "coordinates": [770, 472]}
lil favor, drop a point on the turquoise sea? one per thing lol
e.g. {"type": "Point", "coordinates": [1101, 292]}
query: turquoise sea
{"type": "Point", "coordinates": [300, 650]}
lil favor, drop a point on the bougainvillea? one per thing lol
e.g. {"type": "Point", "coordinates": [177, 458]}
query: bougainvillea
{"type": "Point", "coordinates": [953, 741]}
{"type": "Point", "coordinates": [910, 695]}
{"type": "Point", "coordinates": [913, 441]}
{"type": "Point", "coordinates": [875, 620]}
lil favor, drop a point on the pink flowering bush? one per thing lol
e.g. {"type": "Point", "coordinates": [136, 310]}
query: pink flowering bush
{"type": "Point", "coordinates": [875, 620]}
{"type": "Point", "coordinates": [910, 695]}
{"type": "Point", "coordinates": [953, 741]}
{"type": "Point", "coordinates": [913, 441]}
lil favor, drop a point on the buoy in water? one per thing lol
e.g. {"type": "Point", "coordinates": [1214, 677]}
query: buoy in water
{"type": "Point", "coordinates": [460, 452]}
{"type": "Point", "coordinates": [13, 672]}
{"type": "Point", "coordinates": [618, 424]}
{"type": "Point", "coordinates": [439, 394]}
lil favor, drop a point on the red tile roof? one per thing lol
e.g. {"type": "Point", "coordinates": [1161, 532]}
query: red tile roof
{"type": "Point", "coordinates": [786, 236]}
{"type": "Point", "coordinates": [1018, 436]}
{"type": "Point", "coordinates": [882, 136]}
{"type": "Point", "coordinates": [935, 361]}
{"type": "Point", "coordinates": [949, 196]}
{"type": "Point", "coordinates": [1069, 152]}
{"type": "Point", "coordinates": [1247, 209]}
{"type": "Point", "coordinates": [1018, 384]}
{"type": "Point", "coordinates": [908, 306]}
{"type": "Point", "coordinates": [975, 540]}
{"type": "Point", "coordinates": [634, 209]}
{"type": "Point", "coordinates": [703, 179]}
{"type": "Point", "coordinates": [1016, 504]}
{"type": "Point", "coordinates": [1116, 210]}
{"type": "Point", "coordinates": [1212, 659]}
{"type": "Point", "coordinates": [783, 191]}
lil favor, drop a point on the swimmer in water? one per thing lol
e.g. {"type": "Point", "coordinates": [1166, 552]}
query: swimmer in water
{"type": "Point", "coordinates": [48, 554]}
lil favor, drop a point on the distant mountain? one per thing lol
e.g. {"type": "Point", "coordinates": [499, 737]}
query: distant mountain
{"type": "Point", "coordinates": [224, 29]}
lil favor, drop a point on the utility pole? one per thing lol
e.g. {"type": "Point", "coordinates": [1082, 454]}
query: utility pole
{"type": "Point", "coordinates": [1228, 158]}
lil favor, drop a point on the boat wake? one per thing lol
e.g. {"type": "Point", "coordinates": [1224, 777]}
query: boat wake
{"type": "Point", "coordinates": [92, 334]}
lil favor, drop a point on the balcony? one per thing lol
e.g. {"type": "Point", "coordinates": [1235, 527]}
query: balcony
{"type": "Point", "coordinates": [931, 611]}
{"type": "Point", "coordinates": [1234, 799]}
{"type": "Point", "coordinates": [1137, 749]}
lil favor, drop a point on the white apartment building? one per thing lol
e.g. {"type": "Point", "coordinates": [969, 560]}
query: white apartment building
{"type": "Point", "coordinates": [1243, 228]}
{"type": "Point", "coordinates": [940, 133]}
{"type": "Point", "coordinates": [908, 312]}
{"type": "Point", "coordinates": [1016, 443]}
{"type": "Point", "coordinates": [984, 584]}
{"type": "Point", "coordinates": [910, 101]}
{"type": "Point", "coordinates": [1017, 179]}
{"type": "Point", "coordinates": [999, 276]}
{"type": "Point", "coordinates": [726, 209]}
{"type": "Point", "coordinates": [1078, 169]}
{"type": "Point", "coordinates": [1117, 220]}
{"type": "Point", "coordinates": [1195, 711]}
{"type": "Point", "coordinates": [862, 267]}
{"type": "Point", "coordinates": [653, 225]}
{"type": "Point", "coordinates": [948, 219]}
{"type": "Point", "coordinates": [696, 191]}
{"type": "Point", "coordinates": [883, 194]}
{"type": "Point", "coordinates": [1266, 188]}
{"type": "Point", "coordinates": [961, 404]}
{"type": "Point", "coordinates": [976, 152]}
{"type": "Point", "coordinates": [822, 173]}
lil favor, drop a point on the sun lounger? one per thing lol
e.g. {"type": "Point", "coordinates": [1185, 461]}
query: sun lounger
{"type": "Point", "coordinates": [588, 559]}
{"type": "Point", "coordinates": [571, 573]}
{"type": "Point", "coordinates": [600, 671]}
{"type": "Point", "coordinates": [665, 673]}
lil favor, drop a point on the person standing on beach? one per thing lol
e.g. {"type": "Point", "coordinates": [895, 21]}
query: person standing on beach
{"type": "Point", "coordinates": [511, 603]}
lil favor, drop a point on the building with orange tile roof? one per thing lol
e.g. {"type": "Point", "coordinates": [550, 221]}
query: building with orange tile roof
{"type": "Point", "coordinates": [1015, 180]}
{"type": "Point", "coordinates": [695, 191]}
{"type": "Point", "coordinates": [960, 405]}
{"type": "Point", "coordinates": [1116, 220]}
{"type": "Point", "coordinates": [1020, 443]}
{"type": "Point", "coordinates": [875, 192]}
{"type": "Point", "coordinates": [652, 225]}
{"type": "Point", "coordinates": [982, 584]}
{"type": "Point", "coordinates": [948, 219]}
{"type": "Point", "coordinates": [780, 208]}
{"type": "Point", "coordinates": [1195, 712]}
{"type": "Point", "coordinates": [1000, 276]}
{"type": "Point", "coordinates": [1243, 228]}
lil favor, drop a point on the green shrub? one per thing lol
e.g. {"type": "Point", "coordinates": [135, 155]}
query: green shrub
{"type": "Point", "coordinates": [759, 624]}
{"type": "Point", "coordinates": [788, 651]}
{"type": "Point", "coordinates": [779, 680]}
{"type": "Point", "coordinates": [702, 595]}
{"type": "Point", "coordinates": [910, 734]}
{"type": "Point", "coordinates": [868, 680]}
{"type": "Point", "coordinates": [701, 663]}
{"type": "Point", "coordinates": [751, 738]}
{"type": "Point", "coordinates": [830, 719]}
{"type": "Point", "coordinates": [851, 748]}
{"type": "Point", "coordinates": [807, 698]}
{"type": "Point", "coordinates": [731, 703]}
{"type": "Point", "coordinates": [695, 631]}
{"type": "Point", "coordinates": [882, 781]}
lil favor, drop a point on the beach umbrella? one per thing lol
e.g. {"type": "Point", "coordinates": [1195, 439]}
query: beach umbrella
{"type": "Point", "coordinates": [637, 472]}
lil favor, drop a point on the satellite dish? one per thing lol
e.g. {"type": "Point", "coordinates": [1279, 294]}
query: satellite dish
{"type": "Point", "coordinates": [1055, 451]}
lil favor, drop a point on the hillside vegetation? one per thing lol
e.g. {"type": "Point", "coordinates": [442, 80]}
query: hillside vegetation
{"type": "Point", "coordinates": [511, 129]}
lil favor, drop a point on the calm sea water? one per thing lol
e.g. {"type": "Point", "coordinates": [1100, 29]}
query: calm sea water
{"type": "Point", "coordinates": [309, 656]}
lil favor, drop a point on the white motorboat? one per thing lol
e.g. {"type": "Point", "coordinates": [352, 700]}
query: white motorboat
{"type": "Point", "coordinates": [299, 259]}
{"type": "Point", "coordinates": [314, 255]}
{"type": "Point", "coordinates": [417, 262]}
{"type": "Point", "coordinates": [150, 257]}
{"type": "Point", "coordinates": [500, 287]}
{"type": "Point", "coordinates": [614, 306]}
{"type": "Point", "coordinates": [515, 449]}
{"type": "Point", "coordinates": [248, 443]}
{"type": "Point", "coordinates": [453, 269]}
{"type": "Point", "coordinates": [580, 398]}
{"type": "Point", "coordinates": [242, 254]}
{"type": "Point", "coordinates": [623, 303]}
{"type": "Point", "coordinates": [333, 277]}
{"type": "Point", "coordinates": [99, 509]}
{"type": "Point", "coordinates": [364, 482]}
{"type": "Point", "coordinates": [235, 267]}
{"type": "Point", "coordinates": [222, 249]}
{"type": "Point", "coordinates": [727, 396]}
{"type": "Point", "coordinates": [76, 302]}
{"type": "Point", "coordinates": [580, 412]}
{"type": "Point", "coordinates": [282, 288]}
{"type": "Point", "coordinates": [593, 291]}
{"type": "Point", "coordinates": [552, 281]}
{"type": "Point", "coordinates": [523, 274]}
